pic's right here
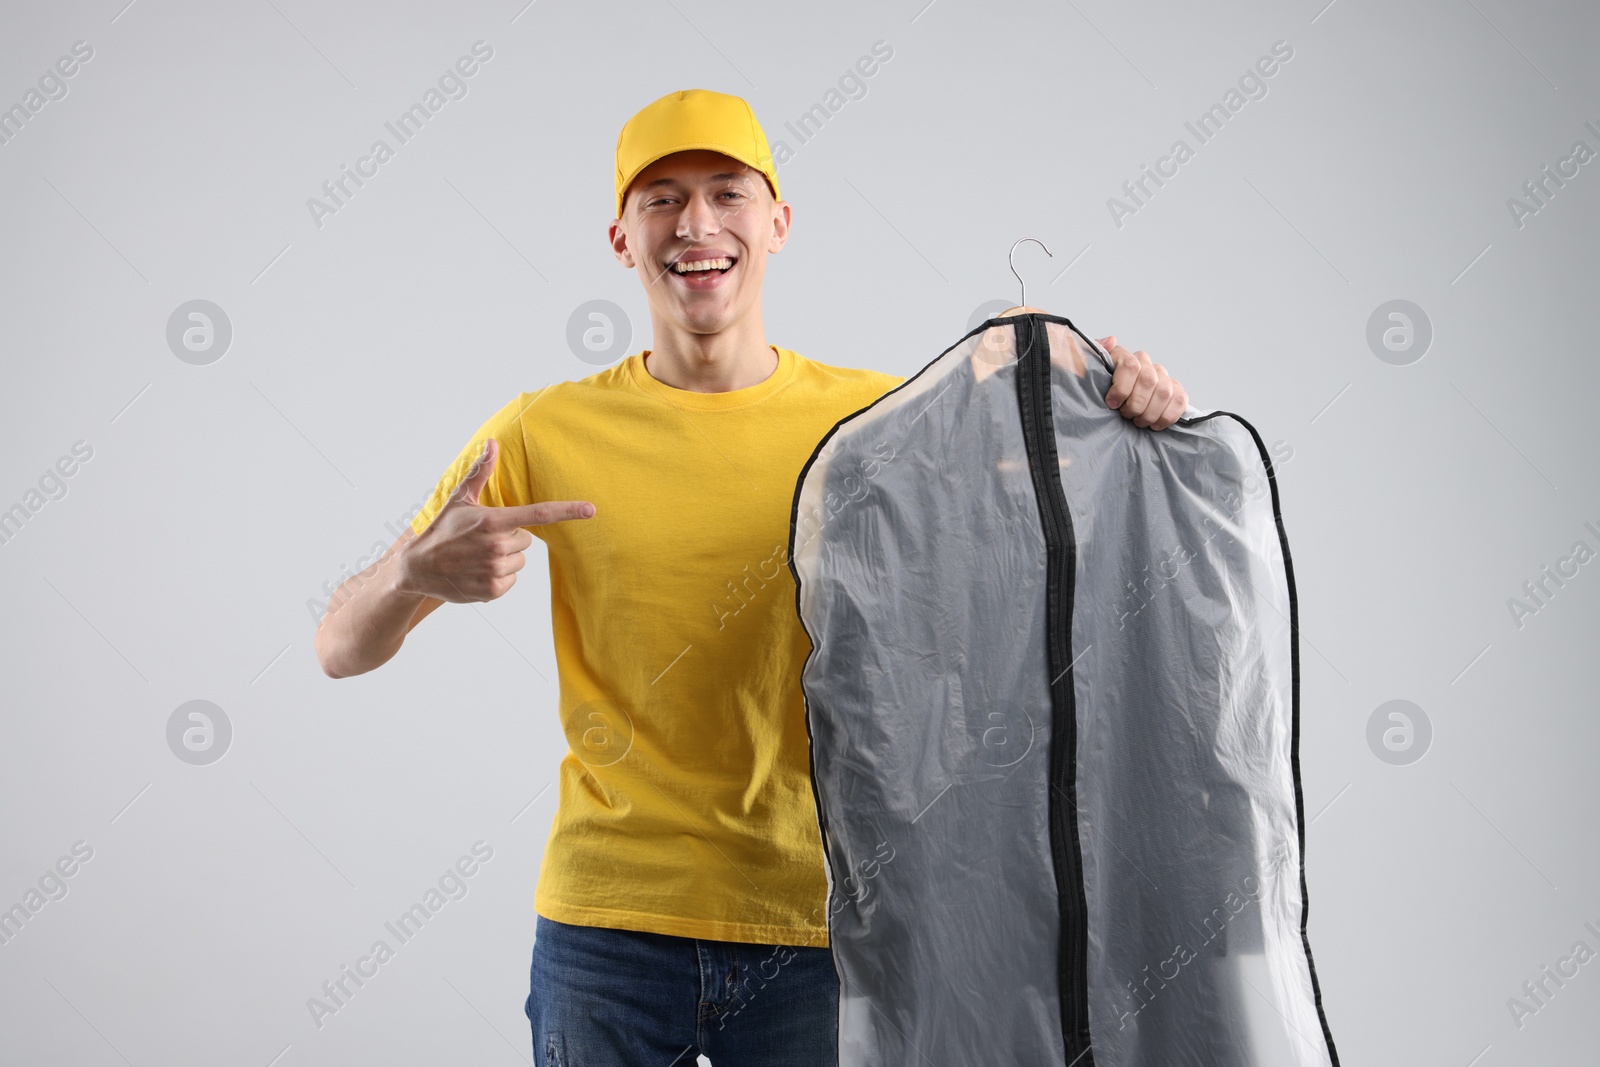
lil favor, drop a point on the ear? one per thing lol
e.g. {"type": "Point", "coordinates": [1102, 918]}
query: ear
{"type": "Point", "coordinates": [781, 218]}
{"type": "Point", "coordinates": [619, 244]}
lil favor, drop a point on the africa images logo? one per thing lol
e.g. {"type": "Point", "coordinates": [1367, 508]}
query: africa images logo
{"type": "Point", "coordinates": [452, 85]}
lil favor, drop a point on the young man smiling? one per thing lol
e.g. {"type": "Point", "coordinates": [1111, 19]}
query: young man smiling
{"type": "Point", "coordinates": [682, 900]}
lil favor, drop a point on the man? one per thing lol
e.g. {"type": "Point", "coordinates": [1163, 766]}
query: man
{"type": "Point", "coordinates": [682, 898]}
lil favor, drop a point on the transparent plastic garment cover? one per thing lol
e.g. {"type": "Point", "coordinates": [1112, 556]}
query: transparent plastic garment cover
{"type": "Point", "coordinates": [1053, 706]}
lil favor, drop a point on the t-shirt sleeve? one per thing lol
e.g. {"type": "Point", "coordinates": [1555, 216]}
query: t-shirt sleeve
{"type": "Point", "coordinates": [510, 484]}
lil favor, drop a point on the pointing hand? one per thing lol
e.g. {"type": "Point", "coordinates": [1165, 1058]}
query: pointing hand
{"type": "Point", "coordinates": [471, 552]}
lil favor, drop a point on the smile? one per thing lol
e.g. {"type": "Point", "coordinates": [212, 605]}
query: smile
{"type": "Point", "coordinates": [720, 266]}
{"type": "Point", "coordinates": [701, 275]}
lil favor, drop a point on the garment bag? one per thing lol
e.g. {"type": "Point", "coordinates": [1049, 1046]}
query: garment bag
{"type": "Point", "coordinates": [1053, 705]}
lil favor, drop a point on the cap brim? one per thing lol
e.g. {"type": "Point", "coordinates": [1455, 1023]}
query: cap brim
{"type": "Point", "coordinates": [720, 149]}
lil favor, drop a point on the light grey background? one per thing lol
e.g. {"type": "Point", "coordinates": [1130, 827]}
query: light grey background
{"type": "Point", "coordinates": [219, 498]}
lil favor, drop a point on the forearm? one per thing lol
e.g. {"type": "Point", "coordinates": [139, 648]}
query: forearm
{"type": "Point", "coordinates": [468, 553]}
{"type": "Point", "coordinates": [367, 621]}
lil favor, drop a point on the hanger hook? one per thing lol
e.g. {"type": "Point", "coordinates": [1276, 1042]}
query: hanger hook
{"type": "Point", "coordinates": [1013, 263]}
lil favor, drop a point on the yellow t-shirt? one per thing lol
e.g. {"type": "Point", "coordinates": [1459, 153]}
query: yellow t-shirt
{"type": "Point", "coordinates": [685, 795]}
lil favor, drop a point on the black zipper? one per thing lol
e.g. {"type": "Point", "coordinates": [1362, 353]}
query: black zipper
{"type": "Point", "coordinates": [1038, 433]}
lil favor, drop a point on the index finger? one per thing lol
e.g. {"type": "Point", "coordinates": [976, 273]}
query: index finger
{"type": "Point", "coordinates": [542, 514]}
{"type": "Point", "coordinates": [1123, 377]}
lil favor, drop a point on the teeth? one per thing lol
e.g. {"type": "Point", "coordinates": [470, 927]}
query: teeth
{"type": "Point", "coordinates": [703, 264]}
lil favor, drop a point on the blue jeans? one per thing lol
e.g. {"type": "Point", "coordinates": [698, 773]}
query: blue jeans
{"type": "Point", "coordinates": [601, 997]}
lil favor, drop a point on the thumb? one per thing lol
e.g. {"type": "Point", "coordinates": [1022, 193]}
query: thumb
{"type": "Point", "coordinates": [478, 476]}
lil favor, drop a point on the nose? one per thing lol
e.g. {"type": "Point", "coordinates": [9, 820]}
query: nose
{"type": "Point", "coordinates": [701, 218]}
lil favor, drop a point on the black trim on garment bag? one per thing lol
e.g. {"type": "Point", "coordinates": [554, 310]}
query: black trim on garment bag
{"type": "Point", "coordinates": [1294, 737]}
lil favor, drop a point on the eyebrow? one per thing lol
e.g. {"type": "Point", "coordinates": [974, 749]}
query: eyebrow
{"type": "Point", "coordinates": [725, 176]}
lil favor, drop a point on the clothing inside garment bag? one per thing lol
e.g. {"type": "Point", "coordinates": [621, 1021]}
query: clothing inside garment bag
{"type": "Point", "coordinates": [1053, 701]}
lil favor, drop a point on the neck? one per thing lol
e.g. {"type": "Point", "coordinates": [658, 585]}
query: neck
{"type": "Point", "coordinates": [735, 358]}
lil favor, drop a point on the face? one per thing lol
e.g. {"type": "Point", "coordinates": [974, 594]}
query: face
{"type": "Point", "coordinates": [701, 208]}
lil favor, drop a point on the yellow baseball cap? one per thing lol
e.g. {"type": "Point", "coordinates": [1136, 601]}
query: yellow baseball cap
{"type": "Point", "coordinates": [692, 118]}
